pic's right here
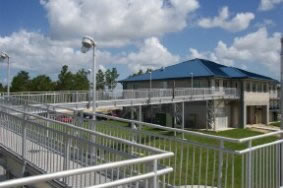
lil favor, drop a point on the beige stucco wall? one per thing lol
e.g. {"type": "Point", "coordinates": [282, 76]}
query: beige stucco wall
{"type": "Point", "coordinates": [255, 98]}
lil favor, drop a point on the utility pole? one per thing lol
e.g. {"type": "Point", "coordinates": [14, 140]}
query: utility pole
{"type": "Point", "coordinates": [281, 113]}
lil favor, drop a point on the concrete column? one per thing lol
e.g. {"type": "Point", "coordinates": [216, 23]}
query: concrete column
{"type": "Point", "coordinates": [243, 106]}
{"type": "Point", "coordinates": [174, 115]}
{"type": "Point", "coordinates": [244, 116]}
{"type": "Point", "coordinates": [220, 85]}
{"type": "Point", "coordinates": [212, 84]}
{"type": "Point", "coordinates": [140, 115]}
{"type": "Point", "coordinates": [267, 114]}
{"type": "Point", "coordinates": [183, 119]}
{"type": "Point", "coordinates": [133, 126]}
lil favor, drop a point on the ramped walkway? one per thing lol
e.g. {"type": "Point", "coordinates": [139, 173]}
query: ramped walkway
{"type": "Point", "coordinates": [52, 146]}
{"type": "Point", "coordinates": [122, 98]}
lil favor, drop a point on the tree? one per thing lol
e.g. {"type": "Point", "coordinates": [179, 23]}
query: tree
{"type": "Point", "coordinates": [111, 77]}
{"type": "Point", "coordinates": [20, 82]}
{"type": "Point", "coordinates": [137, 73]}
{"type": "Point", "coordinates": [80, 80]}
{"type": "Point", "coordinates": [100, 80]}
{"type": "Point", "coordinates": [41, 83]}
{"type": "Point", "coordinates": [65, 79]}
{"type": "Point", "coordinates": [2, 88]}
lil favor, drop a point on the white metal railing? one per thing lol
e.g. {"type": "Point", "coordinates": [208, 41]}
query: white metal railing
{"type": "Point", "coordinates": [199, 159]}
{"type": "Point", "coordinates": [125, 95]}
{"type": "Point", "coordinates": [58, 148]}
{"type": "Point", "coordinates": [132, 180]}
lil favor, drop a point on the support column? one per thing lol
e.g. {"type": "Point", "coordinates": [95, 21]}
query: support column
{"type": "Point", "coordinates": [140, 115]}
{"type": "Point", "coordinates": [174, 115]}
{"type": "Point", "coordinates": [133, 126]}
{"type": "Point", "coordinates": [267, 114]}
{"type": "Point", "coordinates": [183, 118]}
{"type": "Point", "coordinates": [243, 106]}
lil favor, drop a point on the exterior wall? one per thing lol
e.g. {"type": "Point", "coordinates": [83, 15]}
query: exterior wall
{"type": "Point", "coordinates": [180, 83]}
{"type": "Point", "coordinates": [195, 115]}
{"type": "Point", "coordinates": [261, 94]}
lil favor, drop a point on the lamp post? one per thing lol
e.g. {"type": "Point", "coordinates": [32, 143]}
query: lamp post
{"type": "Point", "coordinates": [150, 82]}
{"type": "Point", "coordinates": [88, 43]}
{"type": "Point", "coordinates": [192, 80]}
{"type": "Point", "coordinates": [90, 85]}
{"type": "Point", "coordinates": [4, 56]}
{"type": "Point", "coordinates": [281, 111]}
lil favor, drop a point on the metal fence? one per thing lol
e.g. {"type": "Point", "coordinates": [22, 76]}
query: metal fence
{"type": "Point", "coordinates": [200, 160]}
{"type": "Point", "coordinates": [75, 156]}
{"type": "Point", "coordinates": [120, 96]}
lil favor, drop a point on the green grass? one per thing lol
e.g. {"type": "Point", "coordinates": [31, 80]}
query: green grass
{"type": "Point", "coordinates": [185, 159]}
{"type": "Point", "coordinates": [276, 124]}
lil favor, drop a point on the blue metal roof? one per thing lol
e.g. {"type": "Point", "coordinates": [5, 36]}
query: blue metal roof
{"type": "Point", "coordinates": [197, 68]}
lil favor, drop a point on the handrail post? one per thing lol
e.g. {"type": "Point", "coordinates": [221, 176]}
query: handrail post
{"type": "Point", "coordinates": [220, 164]}
{"type": "Point", "coordinates": [67, 142]}
{"type": "Point", "coordinates": [249, 166]}
{"type": "Point", "coordinates": [153, 182]}
{"type": "Point", "coordinates": [24, 136]}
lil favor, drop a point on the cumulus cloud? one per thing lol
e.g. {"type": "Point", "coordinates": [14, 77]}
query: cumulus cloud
{"type": "Point", "coordinates": [239, 22]}
{"type": "Point", "coordinates": [151, 54]}
{"type": "Point", "coordinates": [266, 5]}
{"type": "Point", "coordinates": [116, 23]}
{"type": "Point", "coordinates": [34, 52]}
{"type": "Point", "coordinates": [254, 48]}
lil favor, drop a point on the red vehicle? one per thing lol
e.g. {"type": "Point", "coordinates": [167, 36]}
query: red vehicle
{"type": "Point", "coordinates": [64, 119]}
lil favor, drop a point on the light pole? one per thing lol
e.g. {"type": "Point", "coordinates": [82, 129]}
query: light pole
{"type": "Point", "coordinates": [281, 110]}
{"type": "Point", "coordinates": [4, 56]}
{"type": "Point", "coordinates": [150, 81]}
{"type": "Point", "coordinates": [87, 43]}
{"type": "Point", "coordinates": [89, 89]}
{"type": "Point", "coordinates": [192, 80]}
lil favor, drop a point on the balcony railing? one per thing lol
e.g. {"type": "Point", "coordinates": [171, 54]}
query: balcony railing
{"type": "Point", "coordinates": [77, 157]}
{"type": "Point", "coordinates": [200, 160]}
{"type": "Point", "coordinates": [123, 97]}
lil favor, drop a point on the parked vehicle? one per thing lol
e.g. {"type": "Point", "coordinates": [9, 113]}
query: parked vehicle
{"type": "Point", "coordinates": [64, 118]}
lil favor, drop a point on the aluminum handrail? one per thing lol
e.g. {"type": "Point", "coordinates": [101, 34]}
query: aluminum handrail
{"type": "Point", "coordinates": [56, 175]}
{"type": "Point", "coordinates": [152, 125]}
{"type": "Point", "coordinates": [87, 130]}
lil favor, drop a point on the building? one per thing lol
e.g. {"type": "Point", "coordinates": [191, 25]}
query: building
{"type": "Point", "coordinates": [258, 95]}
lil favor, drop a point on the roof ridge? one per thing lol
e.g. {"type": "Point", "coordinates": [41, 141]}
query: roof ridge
{"type": "Point", "coordinates": [201, 60]}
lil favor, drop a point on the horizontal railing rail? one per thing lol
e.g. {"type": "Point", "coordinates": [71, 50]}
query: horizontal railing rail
{"type": "Point", "coordinates": [212, 161]}
{"type": "Point", "coordinates": [110, 166]}
{"type": "Point", "coordinates": [54, 146]}
{"type": "Point", "coordinates": [120, 95]}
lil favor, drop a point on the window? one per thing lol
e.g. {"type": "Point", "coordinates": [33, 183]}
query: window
{"type": "Point", "coordinates": [217, 83]}
{"type": "Point", "coordinates": [254, 87]}
{"type": "Point", "coordinates": [225, 84]}
{"type": "Point", "coordinates": [248, 87]}
{"type": "Point", "coordinates": [264, 88]}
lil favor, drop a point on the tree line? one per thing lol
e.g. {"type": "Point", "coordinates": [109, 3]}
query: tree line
{"type": "Point", "coordinates": [66, 81]}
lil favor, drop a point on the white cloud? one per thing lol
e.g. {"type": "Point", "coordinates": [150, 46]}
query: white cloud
{"type": "Point", "coordinates": [239, 22]}
{"type": "Point", "coordinates": [266, 5]}
{"type": "Point", "coordinates": [151, 54]}
{"type": "Point", "coordinates": [39, 54]}
{"type": "Point", "coordinates": [252, 49]}
{"type": "Point", "coordinates": [116, 23]}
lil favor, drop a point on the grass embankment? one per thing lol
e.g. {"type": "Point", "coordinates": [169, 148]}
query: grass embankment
{"type": "Point", "coordinates": [276, 124]}
{"type": "Point", "coordinates": [193, 163]}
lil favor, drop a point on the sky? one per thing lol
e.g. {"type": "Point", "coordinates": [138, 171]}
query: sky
{"type": "Point", "coordinates": [41, 36]}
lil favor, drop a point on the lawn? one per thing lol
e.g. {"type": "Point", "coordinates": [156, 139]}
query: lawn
{"type": "Point", "coordinates": [192, 162]}
{"type": "Point", "coordinates": [276, 124]}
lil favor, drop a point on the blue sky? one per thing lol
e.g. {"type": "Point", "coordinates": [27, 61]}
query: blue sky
{"type": "Point", "coordinates": [41, 36]}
